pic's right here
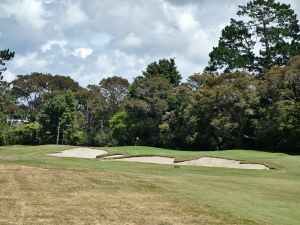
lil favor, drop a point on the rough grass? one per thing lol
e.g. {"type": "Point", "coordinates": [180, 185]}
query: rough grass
{"type": "Point", "coordinates": [32, 195]}
{"type": "Point", "coordinates": [40, 189]}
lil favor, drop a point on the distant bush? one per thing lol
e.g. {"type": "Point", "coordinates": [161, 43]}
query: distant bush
{"type": "Point", "coordinates": [26, 133]}
{"type": "Point", "coordinates": [77, 138]}
{"type": "Point", "coordinates": [6, 135]}
{"type": "Point", "coordinates": [105, 138]}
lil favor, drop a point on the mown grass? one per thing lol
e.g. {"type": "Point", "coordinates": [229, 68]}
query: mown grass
{"type": "Point", "coordinates": [52, 190]}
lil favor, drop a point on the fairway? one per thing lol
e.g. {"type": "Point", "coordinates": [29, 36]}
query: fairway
{"type": "Point", "coordinates": [37, 188]}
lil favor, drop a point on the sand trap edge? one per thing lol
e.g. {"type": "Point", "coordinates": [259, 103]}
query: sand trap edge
{"type": "Point", "coordinates": [260, 166]}
{"type": "Point", "coordinates": [83, 153]}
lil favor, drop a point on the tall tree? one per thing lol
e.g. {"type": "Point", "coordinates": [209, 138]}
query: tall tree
{"type": "Point", "coordinates": [61, 84]}
{"type": "Point", "coordinates": [50, 118]}
{"type": "Point", "coordinates": [93, 115]}
{"type": "Point", "coordinates": [235, 49]}
{"type": "Point", "coordinates": [266, 25]}
{"type": "Point", "coordinates": [5, 97]}
{"type": "Point", "coordinates": [58, 114]}
{"type": "Point", "coordinates": [145, 107]}
{"type": "Point", "coordinates": [34, 89]}
{"type": "Point", "coordinates": [174, 129]}
{"type": "Point", "coordinates": [31, 92]}
{"type": "Point", "coordinates": [222, 112]}
{"type": "Point", "coordinates": [164, 68]}
{"type": "Point", "coordinates": [278, 127]}
{"type": "Point", "coordinates": [5, 55]}
{"type": "Point", "coordinates": [5, 102]}
{"type": "Point", "coordinates": [114, 90]}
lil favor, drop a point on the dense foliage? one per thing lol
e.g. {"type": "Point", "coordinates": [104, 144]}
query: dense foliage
{"type": "Point", "coordinates": [209, 111]}
{"type": "Point", "coordinates": [233, 109]}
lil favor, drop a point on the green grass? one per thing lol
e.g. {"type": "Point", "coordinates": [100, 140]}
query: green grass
{"type": "Point", "coordinates": [196, 195]}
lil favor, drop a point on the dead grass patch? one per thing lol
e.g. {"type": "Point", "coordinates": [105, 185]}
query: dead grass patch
{"type": "Point", "coordinates": [32, 195]}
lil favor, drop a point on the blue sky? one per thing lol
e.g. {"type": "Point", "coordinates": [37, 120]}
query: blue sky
{"type": "Point", "coordinates": [90, 40]}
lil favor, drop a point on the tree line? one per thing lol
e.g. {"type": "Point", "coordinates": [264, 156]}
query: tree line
{"type": "Point", "coordinates": [244, 99]}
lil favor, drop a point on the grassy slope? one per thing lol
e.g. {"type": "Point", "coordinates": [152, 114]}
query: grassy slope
{"type": "Point", "coordinates": [185, 195]}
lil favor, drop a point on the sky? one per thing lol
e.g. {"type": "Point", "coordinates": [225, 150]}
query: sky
{"type": "Point", "coordinates": [94, 39]}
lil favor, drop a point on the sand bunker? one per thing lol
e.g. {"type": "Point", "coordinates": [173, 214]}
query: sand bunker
{"type": "Point", "coordinates": [149, 159]}
{"type": "Point", "coordinates": [89, 153]}
{"type": "Point", "coordinates": [204, 161]}
{"type": "Point", "coordinates": [218, 162]}
{"type": "Point", "coordinates": [85, 153]}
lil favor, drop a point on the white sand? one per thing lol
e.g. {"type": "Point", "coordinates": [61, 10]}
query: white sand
{"type": "Point", "coordinates": [253, 166]}
{"type": "Point", "coordinates": [149, 159]}
{"type": "Point", "coordinates": [218, 162]}
{"type": "Point", "coordinates": [85, 153]}
{"type": "Point", "coordinates": [210, 161]}
{"type": "Point", "coordinates": [204, 161]}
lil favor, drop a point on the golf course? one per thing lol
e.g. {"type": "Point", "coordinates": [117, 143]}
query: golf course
{"type": "Point", "coordinates": [131, 112]}
{"type": "Point", "coordinates": [38, 188]}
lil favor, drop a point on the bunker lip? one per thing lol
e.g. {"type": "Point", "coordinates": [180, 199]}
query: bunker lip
{"type": "Point", "coordinates": [203, 161]}
{"type": "Point", "coordinates": [84, 153]}
{"type": "Point", "coordinates": [117, 156]}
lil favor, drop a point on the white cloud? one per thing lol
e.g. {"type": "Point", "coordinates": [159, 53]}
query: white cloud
{"type": "Point", "coordinates": [9, 76]}
{"type": "Point", "coordinates": [132, 40]}
{"type": "Point", "coordinates": [83, 52]}
{"type": "Point", "coordinates": [25, 64]}
{"type": "Point", "coordinates": [30, 60]}
{"type": "Point", "coordinates": [107, 64]}
{"type": "Point", "coordinates": [30, 11]}
{"type": "Point", "coordinates": [55, 36]}
{"type": "Point", "coordinates": [194, 41]}
{"type": "Point", "coordinates": [48, 1]}
{"type": "Point", "coordinates": [48, 46]}
{"type": "Point", "coordinates": [74, 15]}
{"type": "Point", "coordinates": [100, 40]}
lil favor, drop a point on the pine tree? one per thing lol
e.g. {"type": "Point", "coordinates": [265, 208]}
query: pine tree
{"type": "Point", "coordinates": [265, 25]}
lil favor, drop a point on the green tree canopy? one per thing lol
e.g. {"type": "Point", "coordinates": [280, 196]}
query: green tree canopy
{"type": "Point", "coordinates": [145, 107]}
{"type": "Point", "coordinates": [32, 90]}
{"type": "Point", "coordinates": [5, 94]}
{"type": "Point", "coordinates": [164, 68]}
{"type": "Point", "coordinates": [58, 111]}
{"type": "Point", "coordinates": [114, 90]}
{"type": "Point", "coordinates": [5, 55]}
{"type": "Point", "coordinates": [278, 126]}
{"type": "Point", "coordinates": [267, 26]}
